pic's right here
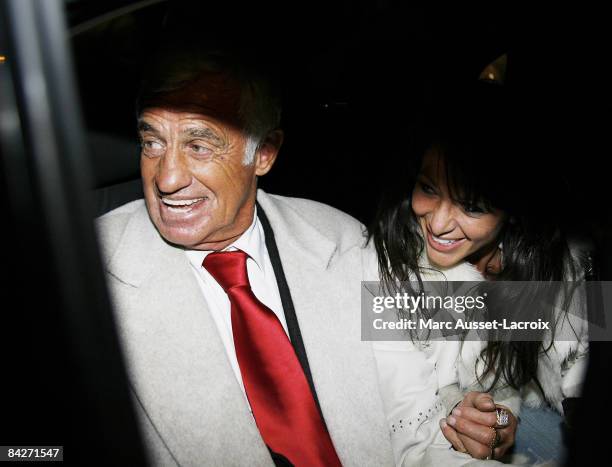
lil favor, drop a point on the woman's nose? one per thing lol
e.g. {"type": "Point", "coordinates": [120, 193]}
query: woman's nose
{"type": "Point", "coordinates": [173, 174]}
{"type": "Point", "coordinates": [442, 218]}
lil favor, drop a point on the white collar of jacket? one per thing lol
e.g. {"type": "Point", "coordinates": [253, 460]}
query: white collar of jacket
{"type": "Point", "coordinates": [139, 251]}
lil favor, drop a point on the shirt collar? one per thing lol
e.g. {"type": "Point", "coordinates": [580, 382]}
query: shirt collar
{"type": "Point", "coordinates": [251, 242]}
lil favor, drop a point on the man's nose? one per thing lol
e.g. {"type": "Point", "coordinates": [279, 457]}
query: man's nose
{"type": "Point", "coordinates": [173, 173]}
{"type": "Point", "coordinates": [443, 218]}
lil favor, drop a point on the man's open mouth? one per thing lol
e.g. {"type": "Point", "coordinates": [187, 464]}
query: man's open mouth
{"type": "Point", "coordinates": [182, 205]}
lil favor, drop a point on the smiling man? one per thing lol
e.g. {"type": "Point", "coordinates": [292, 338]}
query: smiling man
{"type": "Point", "coordinates": [239, 311]}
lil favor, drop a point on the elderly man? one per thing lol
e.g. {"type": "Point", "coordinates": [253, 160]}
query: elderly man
{"type": "Point", "coordinates": [238, 310]}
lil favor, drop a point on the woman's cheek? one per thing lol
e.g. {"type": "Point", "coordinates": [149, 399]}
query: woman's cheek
{"type": "Point", "coordinates": [481, 230]}
{"type": "Point", "coordinates": [420, 203]}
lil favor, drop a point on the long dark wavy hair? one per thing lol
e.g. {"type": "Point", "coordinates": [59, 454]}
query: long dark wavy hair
{"type": "Point", "coordinates": [488, 163]}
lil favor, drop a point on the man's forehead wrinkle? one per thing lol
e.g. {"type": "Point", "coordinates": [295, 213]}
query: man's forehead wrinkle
{"type": "Point", "coordinates": [190, 122]}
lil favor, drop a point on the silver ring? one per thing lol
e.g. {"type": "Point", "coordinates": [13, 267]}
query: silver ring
{"type": "Point", "coordinates": [503, 417]}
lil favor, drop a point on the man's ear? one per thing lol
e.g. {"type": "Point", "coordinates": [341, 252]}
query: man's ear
{"type": "Point", "coordinates": [267, 152]}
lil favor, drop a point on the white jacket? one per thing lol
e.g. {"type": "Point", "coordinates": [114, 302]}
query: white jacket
{"type": "Point", "coordinates": [421, 383]}
{"type": "Point", "coordinates": [411, 375]}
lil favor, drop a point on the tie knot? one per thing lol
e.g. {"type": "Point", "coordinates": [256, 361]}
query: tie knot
{"type": "Point", "coordinates": [228, 268]}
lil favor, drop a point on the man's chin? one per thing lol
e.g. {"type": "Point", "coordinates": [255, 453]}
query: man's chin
{"type": "Point", "coordinates": [182, 237]}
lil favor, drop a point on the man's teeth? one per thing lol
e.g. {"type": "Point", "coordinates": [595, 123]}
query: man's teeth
{"type": "Point", "coordinates": [180, 202]}
{"type": "Point", "coordinates": [181, 205]}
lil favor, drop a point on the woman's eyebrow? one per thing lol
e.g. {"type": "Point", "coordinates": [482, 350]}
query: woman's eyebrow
{"type": "Point", "coordinates": [204, 133]}
{"type": "Point", "coordinates": [427, 178]}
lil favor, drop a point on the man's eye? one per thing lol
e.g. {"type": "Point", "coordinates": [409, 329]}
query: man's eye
{"type": "Point", "coordinates": [152, 146]}
{"type": "Point", "coordinates": [200, 150]}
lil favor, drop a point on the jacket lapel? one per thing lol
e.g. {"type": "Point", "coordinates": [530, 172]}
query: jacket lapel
{"type": "Point", "coordinates": [293, 326]}
{"type": "Point", "coordinates": [178, 366]}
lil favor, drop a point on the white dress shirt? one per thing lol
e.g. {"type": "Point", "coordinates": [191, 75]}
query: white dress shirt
{"type": "Point", "coordinates": [262, 279]}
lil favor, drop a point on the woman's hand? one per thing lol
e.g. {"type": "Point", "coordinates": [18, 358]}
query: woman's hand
{"type": "Point", "coordinates": [473, 424]}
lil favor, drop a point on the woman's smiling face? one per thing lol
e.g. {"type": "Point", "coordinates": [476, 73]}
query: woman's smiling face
{"type": "Point", "coordinates": [453, 230]}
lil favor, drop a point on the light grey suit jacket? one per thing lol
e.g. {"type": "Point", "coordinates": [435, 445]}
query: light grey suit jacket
{"type": "Point", "coordinates": [191, 408]}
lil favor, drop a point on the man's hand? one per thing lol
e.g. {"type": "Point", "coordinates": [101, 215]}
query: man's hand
{"type": "Point", "coordinates": [470, 427]}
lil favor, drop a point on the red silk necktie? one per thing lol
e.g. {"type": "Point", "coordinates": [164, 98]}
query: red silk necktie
{"type": "Point", "coordinates": [280, 397]}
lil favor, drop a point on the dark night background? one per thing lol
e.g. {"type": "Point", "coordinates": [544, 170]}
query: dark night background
{"type": "Point", "coordinates": [356, 74]}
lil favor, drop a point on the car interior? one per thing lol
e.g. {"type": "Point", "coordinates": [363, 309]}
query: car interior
{"type": "Point", "coordinates": [354, 76]}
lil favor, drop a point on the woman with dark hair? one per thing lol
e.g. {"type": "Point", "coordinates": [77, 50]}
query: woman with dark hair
{"type": "Point", "coordinates": [475, 207]}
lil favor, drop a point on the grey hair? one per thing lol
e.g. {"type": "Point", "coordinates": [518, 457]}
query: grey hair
{"type": "Point", "coordinates": [260, 112]}
{"type": "Point", "coordinates": [175, 67]}
{"type": "Point", "coordinates": [250, 149]}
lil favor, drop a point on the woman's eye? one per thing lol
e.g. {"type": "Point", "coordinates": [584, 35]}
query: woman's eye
{"type": "Point", "coordinates": [427, 188]}
{"type": "Point", "coordinates": [471, 208]}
